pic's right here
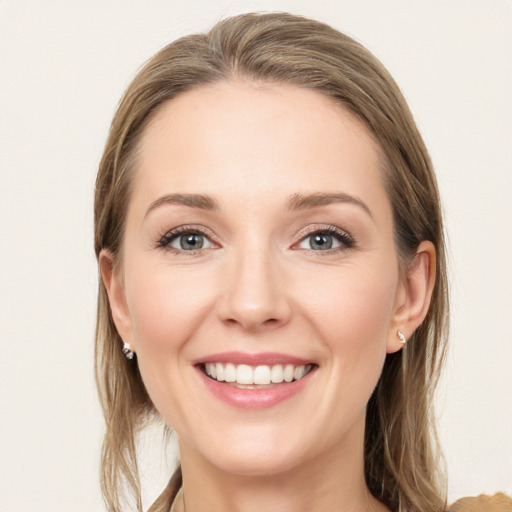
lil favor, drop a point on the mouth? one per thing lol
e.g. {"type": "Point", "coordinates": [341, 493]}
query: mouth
{"type": "Point", "coordinates": [255, 381]}
{"type": "Point", "coordinates": [244, 376]}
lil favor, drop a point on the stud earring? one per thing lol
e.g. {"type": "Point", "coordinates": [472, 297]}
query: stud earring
{"type": "Point", "coordinates": [128, 352]}
{"type": "Point", "coordinates": [401, 335]}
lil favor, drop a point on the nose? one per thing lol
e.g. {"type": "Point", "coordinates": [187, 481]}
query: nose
{"type": "Point", "coordinates": [254, 292]}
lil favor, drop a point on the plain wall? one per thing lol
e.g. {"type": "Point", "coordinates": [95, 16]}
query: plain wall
{"type": "Point", "coordinates": [63, 68]}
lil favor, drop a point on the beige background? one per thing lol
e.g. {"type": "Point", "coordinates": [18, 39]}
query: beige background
{"type": "Point", "coordinates": [63, 67]}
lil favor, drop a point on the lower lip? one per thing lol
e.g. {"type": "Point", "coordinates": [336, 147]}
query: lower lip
{"type": "Point", "coordinates": [246, 398]}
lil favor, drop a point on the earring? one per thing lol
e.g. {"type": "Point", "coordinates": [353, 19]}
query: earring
{"type": "Point", "coordinates": [128, 352]}
{"type": "Point", "coordinates": [401, 335]}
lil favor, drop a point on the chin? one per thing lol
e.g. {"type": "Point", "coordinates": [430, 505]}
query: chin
{"type": "Point", "coordinates": [251, 451]}
{"type": "Point", "coordinates": [257, 464]}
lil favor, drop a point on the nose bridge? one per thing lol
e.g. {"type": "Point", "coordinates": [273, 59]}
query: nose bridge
{"type": "Point", "coordinates": [254, 295]}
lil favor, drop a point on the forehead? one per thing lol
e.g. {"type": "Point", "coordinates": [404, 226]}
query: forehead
{"type": "Point", "coordinates": [247, 138]}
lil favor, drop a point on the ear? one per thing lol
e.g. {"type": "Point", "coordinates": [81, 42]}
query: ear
{"type": "Point", "coordinates": [413, 296]}
{"type": "Point", "coordinates": [112, 280]}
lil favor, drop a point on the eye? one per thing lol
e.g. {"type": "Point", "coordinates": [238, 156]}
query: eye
{"type": "Point", "coordinates": [185, 240]}
{"type": "Point", "coordinates": [319, 242]}
{"type": "Point", "coordinates": [326, 240]}
{"type": "Point", "coordinates": [189, 242]}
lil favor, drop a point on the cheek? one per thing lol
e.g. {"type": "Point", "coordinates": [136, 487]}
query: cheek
{"type": "Point", "coordinates": [353, 315]}
{"type": "Point", "coordinates": [165, 307]}
{"type": "Point", "coordinates": [356, 294]}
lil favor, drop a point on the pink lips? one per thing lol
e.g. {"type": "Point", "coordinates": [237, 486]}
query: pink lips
{"type": "Point", "coordinates": [249, 398]}
{"type": "Point", "coordinates": [268, 358]}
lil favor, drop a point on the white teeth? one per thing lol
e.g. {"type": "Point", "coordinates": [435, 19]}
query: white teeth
{"type": "Point", "coordinates": [288, 373]}
{"type": "Point", "coordinates": [262, 375]}
{"type": "Point", "coordinates": [244, 374]}
{"type": "Point", "coordinates": [211, 369]}
{"type": "Point", "coordinates": [259, 375]}
{"type": "Point", "coordinates": [299, 372]}
{"type": "Point", "coordinates": [230, 373]}
{"type": "Point", "coordinates": [276, 374]}
{"type": "Point", "coordinates": [220, 372]}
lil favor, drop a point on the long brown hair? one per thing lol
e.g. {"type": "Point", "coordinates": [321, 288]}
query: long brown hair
{"type": "Point", "coordinates": [401, 456]}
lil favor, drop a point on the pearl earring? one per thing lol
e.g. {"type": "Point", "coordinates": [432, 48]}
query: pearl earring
{"type": "Point", "coordinates": [401, 335]}
{"type": "Point", "coordinates": [127, 351]}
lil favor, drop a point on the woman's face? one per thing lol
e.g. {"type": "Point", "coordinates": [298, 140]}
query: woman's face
{"type": "Point", "coordinates": [258, 247]}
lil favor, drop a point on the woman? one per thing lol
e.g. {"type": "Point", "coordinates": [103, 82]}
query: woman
{"type": "Point", "coordinates": [270, 242]}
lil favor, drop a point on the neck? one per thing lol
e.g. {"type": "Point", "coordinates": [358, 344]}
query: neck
{"type": "Point", "coordinates": [331, 482]}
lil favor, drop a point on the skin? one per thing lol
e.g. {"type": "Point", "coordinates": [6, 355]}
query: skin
{"type": "Point", "coordinates": [258, 285]}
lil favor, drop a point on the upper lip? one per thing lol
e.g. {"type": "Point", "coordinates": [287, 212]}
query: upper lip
{"type": "Point", "coordinates": [262, 358]}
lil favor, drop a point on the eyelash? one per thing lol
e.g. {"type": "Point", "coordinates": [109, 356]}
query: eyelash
{"type": "Point", "coordinates": [347, 240]}
{"type": "Point", "coordinates": [165, 240]}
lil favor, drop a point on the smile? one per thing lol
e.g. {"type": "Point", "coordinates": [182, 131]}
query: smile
{"type": "Point", "coordinates": [261, 375]}
{"type": "Point", "coordinates": [255, 381]}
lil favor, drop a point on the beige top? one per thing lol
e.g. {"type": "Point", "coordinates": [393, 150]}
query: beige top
{"type": "Point", "coordinates": [483, 503]}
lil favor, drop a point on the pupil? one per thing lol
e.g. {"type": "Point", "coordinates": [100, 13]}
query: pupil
{"type": "Point", "coordinates": [191, 241]}
{"type": "Point", "coordinates": [322, 242]}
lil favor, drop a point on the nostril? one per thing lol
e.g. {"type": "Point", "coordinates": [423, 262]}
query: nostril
{"type": "Point", "coordinates": [253, 307]}
{"type": "Point", "coordinates": [251, 323]}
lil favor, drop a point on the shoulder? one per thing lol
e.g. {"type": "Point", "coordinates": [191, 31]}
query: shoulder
{"type": "Point", "coordinates": [498, 503]}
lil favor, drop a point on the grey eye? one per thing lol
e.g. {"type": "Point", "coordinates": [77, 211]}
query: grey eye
{"type": "Point", "coordinates": [190, 242]}
{"type": "Point", "coordinates": [320, 242]}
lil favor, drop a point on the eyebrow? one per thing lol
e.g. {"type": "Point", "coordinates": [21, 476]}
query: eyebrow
{"type": "Point", "coordinates": [200, 201]}
{"type": "Point", "coordinates": [295, 201]}
{"type": "Point", "coordinates": [301, 202]}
